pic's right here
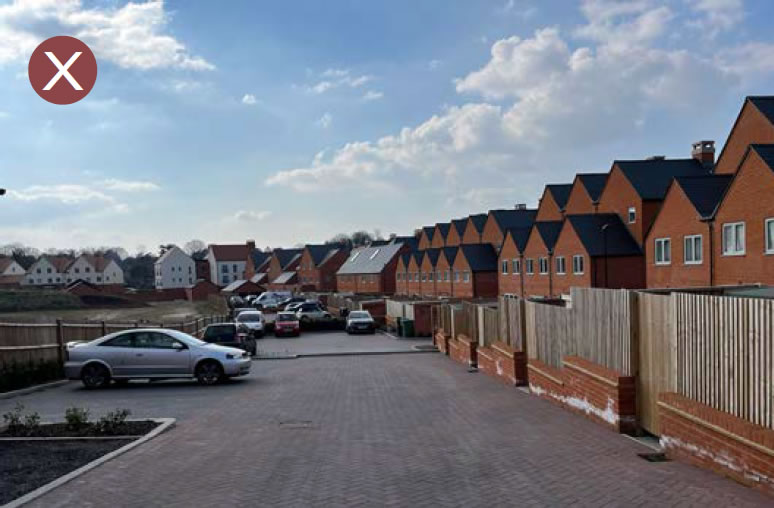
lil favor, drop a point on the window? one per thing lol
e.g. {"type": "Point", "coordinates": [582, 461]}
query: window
{"type": "Point", "coordinates": [48, 270]}
{"type": "Point", "coordinates": [733, 239]}
{"type": "Point", "coordinates": [505, 266]}
{"type": "Point", "coordinates": [120, 341]}
{"type": "Point", "coordinates": [430, 276]}
{"type": "Point", "coordinates": [530, 266]}
{"type": "Point", "coordinates": [424, 276]}
{"type": "Point", "coordinates": [768, 232]}
{"type": "Point", "coordinates": [467, 276]}
{"type": "Point", "coordinates": [446, 275]}
{"type": "Point", "coordinates": [456, 275]}
{"type": "Point", "coordinates": [663, 251]}
{"type": "Point", "coordinates": [38, 270]}
{"type": "Point", "coordinates": [577, 264]}
{"type": "Point", "coordinates": [516, 266]}
{"type": "Point", "coordinates": [438, 275]}
{"type": "Point", "coordinates": [632, 215]}
{"type": "Point", "coordinates": [224, 268]}
{"type": "Point", "coordinates": [543, 265]}
{"type": "Point", "coordinates": [560, 265]}
{"type": "Point", "coordinates": [234, 268]}
{"type": "Point", "coordinates": [692, 251]}
{"type": "Point", "coordinates": [225, 279]}
{"type": "Point", "coordinates": [87, 269]}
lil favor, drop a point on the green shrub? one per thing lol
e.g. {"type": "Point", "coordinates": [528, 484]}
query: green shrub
{"type": "Point", "coordinates": [20, 424]}
{"type": "Point", "coordinates": [15, 375]}
{"type": "Point", "coordinates": [113, 422]}
{"type": "Point", "coordinates": [20, 300]}
{"type": "Point", "coordinates": [76, 418]}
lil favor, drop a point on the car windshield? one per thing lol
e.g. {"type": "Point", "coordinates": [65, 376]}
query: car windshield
{"type": "Point", "coordinates": [249, 318]}
{"type": "Point", "coordinates": [359, 315]}
{"type": "Point", "coordinates": [286, 316]}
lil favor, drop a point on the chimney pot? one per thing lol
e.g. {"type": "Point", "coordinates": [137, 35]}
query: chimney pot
{"type": "Point", "coordinates": [250, 245]}
{"type": "Point", "coordinates": [657, 158]}
{"type": "Point", "coordinates": [521, 206]}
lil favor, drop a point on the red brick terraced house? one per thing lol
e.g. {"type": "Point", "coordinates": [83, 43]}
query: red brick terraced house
{"type": "Point", "coordinates": [595, 251]}
{"type": "Point", "coordinates": [426, 237]}
{"type": "Point", "coordinates": [538, 254]}
{"type": "Point", "coordinates": [444, 283]}
{"type": "Point", "coordinates": [754, 125]}
{"type": "Point", "coordinates": [511, 262]}
{"type": "Point", "coordinates": [475, 272]}
{"type": "Point", "coordinates": [635, 189]}
{"type": "Point", "coordinates": [585, 192]}
{"type": "Point", "coordinates": [414, 268]}
{"type": "Point", "coordinates": [257, 261]}
{"type": "Point", "coordinates": [679, 244]}
{"type": "Point", "coordinates": [287, 281]}
{"type": "Point", "coordinates": [498, 222]}
{"type": "Point", "coordinates": [474, 229]}
{"type": "Point", "coordinates": [370, 270]}
{"type": "Point", "coordinates": [283, 260]}
{"type": "Point", "coordinates": [553, 201]}
{"type": "Point", "coordinates": [440, 234]}
{"type": "Point", "coordinates": [456, 232]}
{"type": "Point", "coordinates": [429, 273]}
{"type": "Point", "coordinates": [318, 266]}
{"type": "Point", "coordinates": [743, 226]}
{"type": "Point", "coordinates": [402, 274]}
{"type": "Point", "coordinates": [411, 241]}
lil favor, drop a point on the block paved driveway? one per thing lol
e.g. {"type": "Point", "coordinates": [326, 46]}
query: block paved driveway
{"type": "Point", "coordinates": [392, 430]}
{"type": "Point", "coordinates": [336, 342]}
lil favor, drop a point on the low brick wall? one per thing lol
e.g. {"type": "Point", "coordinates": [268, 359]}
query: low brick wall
{"type": "Point", "coordinates": [503, 362]}
{"type": "Point", "coordinates": [592, 390]}
{"type": "Point", "coordinates": [463, 350]}
{"type": "Point", "coordinates": [441, 341]}
{"type": "Point", "coordinates": [712, 439]}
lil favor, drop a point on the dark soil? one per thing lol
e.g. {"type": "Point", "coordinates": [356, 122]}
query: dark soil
{"type": "Point", "coordinates": [90, 430]}
{"type": "Point", "coordinates": [27, 465]}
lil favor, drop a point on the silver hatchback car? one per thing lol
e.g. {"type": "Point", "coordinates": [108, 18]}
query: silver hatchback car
{"type": "Point", "coordinates": [152, 353]}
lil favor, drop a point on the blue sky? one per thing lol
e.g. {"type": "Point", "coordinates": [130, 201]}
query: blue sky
{"type": "Point", "coordinates": [289, 122]}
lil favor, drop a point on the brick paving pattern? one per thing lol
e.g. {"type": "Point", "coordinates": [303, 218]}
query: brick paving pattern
{"type": "Point", "coordinates": [336, 342]}
{"type": "Point", "coordinates": [394, 430]}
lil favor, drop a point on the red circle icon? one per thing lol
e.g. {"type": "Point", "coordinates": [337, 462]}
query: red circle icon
{"type": "Point", "coordinates": [62, 70]}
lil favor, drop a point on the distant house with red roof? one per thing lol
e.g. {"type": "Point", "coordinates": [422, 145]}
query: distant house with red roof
{"type": "Point", "coordinates": [227, 263]}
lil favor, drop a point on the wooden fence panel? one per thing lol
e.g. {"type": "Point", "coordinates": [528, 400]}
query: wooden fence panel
{"type": "Point", "coordinates": [26, 343]}
{"type": "Point", "coordinates": [657, 357]}
{"type": "Point", "coordinates": [490, 326]}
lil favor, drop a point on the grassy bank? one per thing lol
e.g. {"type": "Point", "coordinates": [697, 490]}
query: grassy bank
{"type": "Point", "coordinates": [21, 300]}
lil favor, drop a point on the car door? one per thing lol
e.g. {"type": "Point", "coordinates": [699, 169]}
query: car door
{"type": "Point", "coordinates": [156, 354]}
{"type": "Point", "coordinates": [116, 352]}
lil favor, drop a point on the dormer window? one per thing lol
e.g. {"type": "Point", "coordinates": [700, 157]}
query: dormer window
{"type": "Point", "coordinates": [632, 215]}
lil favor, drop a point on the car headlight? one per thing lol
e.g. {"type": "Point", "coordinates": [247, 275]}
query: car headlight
{"type": "Point", "coordinates": [232, 356]}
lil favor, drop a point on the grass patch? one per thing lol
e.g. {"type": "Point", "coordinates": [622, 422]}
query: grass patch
{"type": "Point", "coordinates": [21, 300]}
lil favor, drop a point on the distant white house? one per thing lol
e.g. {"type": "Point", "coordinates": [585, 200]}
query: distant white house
{"type": "Point", "coordinates": [175, 269]}
{"type": "Point", "coordinates": [227, 263]}
{"type": "Point", "coordinates": [47, 271]}
{"type": "Point", "coordinates": [96, 270]}
{"type": "Point", "coordinates": [9, 267]}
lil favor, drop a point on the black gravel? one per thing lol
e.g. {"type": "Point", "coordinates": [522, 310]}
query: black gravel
{"type": "Point", "coordinates": [132, 428]}
{"type": "Point", "coordinates": [27, 465]}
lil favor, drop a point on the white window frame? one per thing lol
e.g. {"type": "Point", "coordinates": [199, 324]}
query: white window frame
{"type": "Point", "coordinates": [697, 259]}
{"type": "Point", "coordinates": [561, 265]}
{"type": "Point", "coordinates": [632, 217]}
{"type": "Point", "coordinates": [768, 235]}
{"type": "Point", "coordinates": [504, 266]}
{"type": "Point", "coordinates": [577, 261]}
{"type": "Point", "coordinates": [543, 262]}
{"type": "Point", "coordinates": [665, 260]}
{"type": "Point", "coordinates": [530, 266]}
{"type": "Point", "coordinates": [516, 262]}
{"type": "Point", "coordinates": [733, 227]}
{"type": "Point", "coordinates": [466, 276]}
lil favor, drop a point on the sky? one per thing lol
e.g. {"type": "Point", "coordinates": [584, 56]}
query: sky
{"type": "Point", "coordinates": [289, 122]}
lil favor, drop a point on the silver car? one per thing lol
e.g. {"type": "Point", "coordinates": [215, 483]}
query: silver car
{"type": "Point", "coordinates": [152, 353]}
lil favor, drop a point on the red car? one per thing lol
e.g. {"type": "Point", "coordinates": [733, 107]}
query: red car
{"type": "Point", "coordinates": [286, 323]}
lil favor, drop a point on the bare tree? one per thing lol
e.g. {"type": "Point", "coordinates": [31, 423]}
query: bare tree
{"type": "Point", "coordinates": [194, 247]}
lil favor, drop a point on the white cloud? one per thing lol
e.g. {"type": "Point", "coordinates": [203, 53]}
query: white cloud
{"type": "Point", "coordinates": [251, 216]}
{"type": "Point", "coordinates": [132, 36]}
{"type": "Point", "coordinates": [337, 78]}
{"type": "Point", "coordinates": [373, 95]}
{"type": "Point", "coordinates": [128, 186]}
{"type": "Point", "coordinates": [325, 121]}
{"type": "Point", "coordinates": [249, 99]}
{"type": "Point", "coordinates": [716, 16]}
{"type": "Point", "coordinates": [624, 23]}
{"type": "Point", "coordinates": [749, 60]}
{"type": "Point", "coordinates": [67, 194]}
{"type": "Point", "coordinates": [434, 64]}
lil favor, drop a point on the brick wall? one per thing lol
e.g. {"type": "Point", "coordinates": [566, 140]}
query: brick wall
{"type": "Point", "coordinates": [441, 341]}
{"type": "Point", "coordinates": [721, 442]}
{"type": "Point", "coordinates": [568, 245]}
{"type": "Point", "coordinates": [428, 287]}
{"type": "Point", "coordinates": [579, 201]}
{"type": "Point", "coordinates": [677, 219]}
{"type": "Point", "coordinates": [503, 362]}
{"type": "Point", "coordinates": [453, 238]}
{"type": "Point", "coordinates": [748, 199]}
{"type": "Point", "coordinates": [492, 233]}
{"type": "Point", "coordinates": [443, 287]}
{"type": "Point", "coordinates": [509, 283]}
{"type": "Point", "coordinates": [751, 127]}
{"type": "Point", "coordinates": [599, 393]}
{"type": "Point", "coordinates": [485, 284]}
{"type": "Point", "coordinates": [536, 284]}
{"type": "Point", "coordinates": [414, 286]}
{"type": "Point", "coordinates": [424, 241]}
{"type": "Point", "coordinates": [548, 209]}
{"type": "Point", "coordinates": [438, 239]}
{"type": "Point", "coordinates": [463, 350]}
{"type": "Point", "coordinates": [627, 272]}
{"type": "Point", "coordinates": [617, 197]}
{"type": "Point", "coordinates": [471, 234]}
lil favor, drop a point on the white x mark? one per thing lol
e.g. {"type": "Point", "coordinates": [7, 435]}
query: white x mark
{"type": "Point", "coordinates": [63, 72]}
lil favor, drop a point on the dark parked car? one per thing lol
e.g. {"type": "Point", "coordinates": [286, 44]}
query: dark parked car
{"type": "Point", "coordinates": [228, 334]}
{"type": "Point", "coordinates": [360, 321]}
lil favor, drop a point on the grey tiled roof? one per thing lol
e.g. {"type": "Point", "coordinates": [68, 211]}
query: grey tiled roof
{"type": "Point", "coordinates": [704, 192]}
{"type": "Point", "coordinates": [651, 178]}
{"type": "Point", "coordinates": [616, 240]}
{"type": "Point", "coordinates": [593, 183]}
{"type": "Point", "coordinates": [369, 260]}
{"type": "Point", "coordinates": [560, 192]}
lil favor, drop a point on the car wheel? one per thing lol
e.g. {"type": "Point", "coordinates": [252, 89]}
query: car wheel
{"type": "Point", "coordinates": [95, 375]}
{"type": "Point", "coordinates": [209, 373]}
